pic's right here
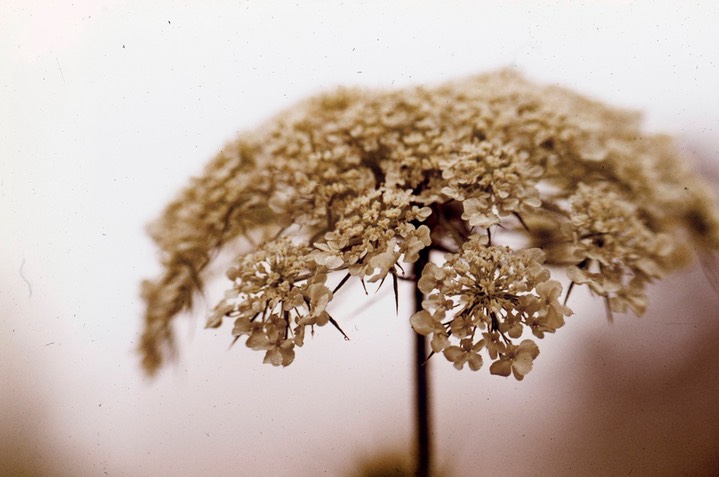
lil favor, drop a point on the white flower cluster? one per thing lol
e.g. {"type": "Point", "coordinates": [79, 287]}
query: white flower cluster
{"type": "Point", "coordinates": [373, 232]}
{"type": "Point", "coordinates": [616, 253]}
{"type": "Point", "coordinates": [483, 297]}
{"type": "Point", "coordinates": [355, 182]}
{"type": "Point", "coordinates": [491, 181]}
{"type": "Point", "coordinates": [277, 292]}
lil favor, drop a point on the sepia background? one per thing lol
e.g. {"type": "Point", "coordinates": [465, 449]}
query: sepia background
{"type": "Point", "coordinates": [108, 107]}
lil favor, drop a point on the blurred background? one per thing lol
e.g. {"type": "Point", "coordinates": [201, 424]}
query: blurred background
{"type": "Point", "coordinates": [108, 107]}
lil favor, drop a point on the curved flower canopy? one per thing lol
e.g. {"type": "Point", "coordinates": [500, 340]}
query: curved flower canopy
{"type": "Point", "coordinates": [503, 180]}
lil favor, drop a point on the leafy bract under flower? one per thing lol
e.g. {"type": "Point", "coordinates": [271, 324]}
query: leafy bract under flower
{"type": "Point", "coordinates": [353, 183]}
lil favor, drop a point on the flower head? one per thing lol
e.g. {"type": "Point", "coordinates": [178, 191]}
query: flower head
{"type": "Point", "coordinates": [353, 183]}
{"type": "Point", "coordinates": [491, 180]}
{"type": "Point", "coordinates": [372, 232]}
{"type": "Point", "coordinates": [277, 291]}
{"type": "Point", "coordinates": [484, 296]}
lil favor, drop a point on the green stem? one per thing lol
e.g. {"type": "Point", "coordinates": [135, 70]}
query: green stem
{"type": "Point", "coordinates": [421, 367]}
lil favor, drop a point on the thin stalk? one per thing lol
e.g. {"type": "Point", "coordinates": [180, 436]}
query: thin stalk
{"type": "Point", "coordinates": [421, 368]}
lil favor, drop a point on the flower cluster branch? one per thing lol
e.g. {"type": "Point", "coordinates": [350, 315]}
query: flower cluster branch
{"type": "Point", "coordinates": [504, 181]}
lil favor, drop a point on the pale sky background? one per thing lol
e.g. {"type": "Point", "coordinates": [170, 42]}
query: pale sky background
{"type": "Point", "coordinates": [107, 108]}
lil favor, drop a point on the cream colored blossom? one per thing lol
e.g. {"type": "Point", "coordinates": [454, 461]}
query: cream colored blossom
{"type": "Point", "coordinates": [516, 360]}
{"type": "Point", "coordinates": [488, 288]}
{"type": "Point", "coordinates": [491, 181]}
{"type": "Point", "coordinates": [278, 291]}
{"type": "Point", "coordinates": [373, 232]}
{"type": "Point", "coordinates": [353, 183]}
{"type": "Point", "coordinates": [467, 352]}
{"type": "Point", "coordinates": [617, 253]}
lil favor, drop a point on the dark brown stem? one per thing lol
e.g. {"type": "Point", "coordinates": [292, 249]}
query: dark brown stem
{"type": "Point", "coordinates": [421, 367]}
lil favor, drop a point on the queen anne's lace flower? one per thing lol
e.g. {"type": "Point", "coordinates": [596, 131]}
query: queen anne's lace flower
{"type": "Point", "coordinates": [515, 359]}
{"type": "Point", "coordinates": [491, 181]}
{"type": "Point", "coordinates": [492, 289]}
{"type": "Point", "coordinates": [611, 237]}
{"type": "Point", "coordinates": [372, 233]}
{"type": "Point", "coordinates": [278, 291]}
{"type": "Point", "coordinates": [364, 181]}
